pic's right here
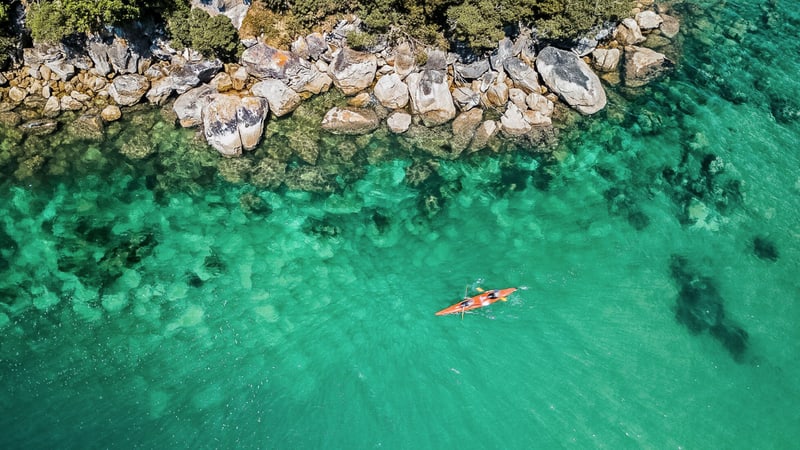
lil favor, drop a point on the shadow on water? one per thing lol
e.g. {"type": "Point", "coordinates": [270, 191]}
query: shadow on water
{"type": "Point", "coordinates": [700, 307]}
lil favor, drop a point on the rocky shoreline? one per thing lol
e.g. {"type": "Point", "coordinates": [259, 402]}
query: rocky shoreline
{"type": "Point", "coordinates": [512, 94]}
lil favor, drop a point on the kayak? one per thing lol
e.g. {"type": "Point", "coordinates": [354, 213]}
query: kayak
{"type": "Point", "coordinates": [485, 298]}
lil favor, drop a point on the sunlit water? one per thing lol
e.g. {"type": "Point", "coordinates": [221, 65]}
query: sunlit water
{"type": "Point", "coordinates": [658, 250]}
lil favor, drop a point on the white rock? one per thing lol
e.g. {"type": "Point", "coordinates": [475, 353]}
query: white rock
{"type": "Point", "coordinates": [391, 91]}
{"type": "Point", "coordinates": [398, 122]}
{"type": "Point", "coordinates": [282, 99]}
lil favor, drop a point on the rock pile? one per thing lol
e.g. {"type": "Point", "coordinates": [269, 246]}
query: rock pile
{"type": "Point", "coordinates": [519, 86]}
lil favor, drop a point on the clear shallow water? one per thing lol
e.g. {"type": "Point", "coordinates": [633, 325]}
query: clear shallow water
{"type": "Point", "coordinates": [218, 315]}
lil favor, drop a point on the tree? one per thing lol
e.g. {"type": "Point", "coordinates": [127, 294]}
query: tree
{"type": "Point", "coordinates": [53, 20]}
{"type": "Point", "coordinates": [478, 23]}
{"type": "Point", "coordinates": [212, 36]}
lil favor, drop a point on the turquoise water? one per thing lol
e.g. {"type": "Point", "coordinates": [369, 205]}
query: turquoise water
{"type": "Point", "coordinates": [146, 304]}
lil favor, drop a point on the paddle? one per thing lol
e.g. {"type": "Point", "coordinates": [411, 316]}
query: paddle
{"type": "Point", "coordinates": [465, 298]}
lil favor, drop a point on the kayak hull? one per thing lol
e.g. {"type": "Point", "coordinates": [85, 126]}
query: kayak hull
{"type": "Point", "coordinates": [485, 298]}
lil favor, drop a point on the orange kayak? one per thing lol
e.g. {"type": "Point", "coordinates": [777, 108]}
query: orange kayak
{"type": "Point", "coordinates": [485, 298]}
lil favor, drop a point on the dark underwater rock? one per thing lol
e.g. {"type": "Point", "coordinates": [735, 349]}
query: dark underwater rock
{"type": "Point", "coordinates": [765, 249]}
{"type": "Point", "coordinates": [700, 307]}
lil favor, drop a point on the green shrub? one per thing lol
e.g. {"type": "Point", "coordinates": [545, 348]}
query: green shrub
{"type": "Point", "coordinates": [212, 36]}
{"type": "Point", "coordinates": [53, 20]}
{"type": "Point", "coordinates": [47, 22]}
{"type": "Point", "coordinates": [360, 40]}
{"type": "Point", "coordinates": [477, 23]}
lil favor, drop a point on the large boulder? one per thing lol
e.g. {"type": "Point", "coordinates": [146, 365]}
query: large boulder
{"type": "Point", "coordinates": [39, 127]}
{"type": "Point", "coordinates": [648, 20]}
{"type": "Point", "coordinates": [282, 99]}
{"type": "Point", "coordinates": [189, 106]}
{"type": "Point", "coordinates": [220, 125]}
{"type": "Point", "coordinates": [505, 50]}
{"type": "Point", "coordinates": [251, 114]}
{"type": "Point", "coordinates": [628, 32]}
{"type": "Point", "coordinates": [571, 79]}
{"type": "Point", "coordinates": [606, 59]}
{"type": "Point", "coordinates": [484, 134]}
{"type": "Point", "coordinates": [60, 69]}
{"type": "Point", "coordinates": [465, 98]}
{"type": "Point", "coordinates": [316, 45]}
{"type": "Point", "coordinates": [513, 121]}
{"type": "Point", "coordinates": [186, 75]}
{"type": "Point", "coordinates": [110, 113]}
{"type": "Point", "coordinates": [127, 90]}
{"type": "Point", "coordinates": [263, 61]}
{"type": "Point", "coordinates": [350, 121]}
{"type": "Point", "coordinates": [523, 75]}
{"type": "Point", "coordinates": [98, 52]}
{"type": "Point", "coordinates": [464, 127]}
{"type": "Point", "coordinates": [471, 71]}
{"type": "Point", "coordinates": [231, 123]}
{"type": "Point", "coordinates": [42, 53]}
{"type": "Point", "coordinates": [160, 90]}
{"type": "Point", "coordinates": [430, 97]}
{"type": "Point", "coordinates": [404, 60]}
{"type": "Point", "coordinates": [121, 57]}
{"type": "Point", "coordinates": [642, 65]}
{"type": "Point", "coordinates": [398, 122]}
{"type": "Point", "coordinates": [52, 108]}
{"type": "Point", "coordinates": [235, 10]}
{"type": "Point", "coordinates": [352, 71]}
{"type": "Point", "coordinates": [305, 77]}
{"type": "Point", "coordinates": [670, 26]}
{"type": "Point", "coordinates": [391, 92]}
{"type": "Point", "coordinates": [540, 109]}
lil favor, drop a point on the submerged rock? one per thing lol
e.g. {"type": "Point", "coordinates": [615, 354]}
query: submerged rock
{"type": "Point", "coordinates": [700, 307]}
{"type": "Point", "coordinates": [643, 65]}
{"type": "Point", "coordinates": [571, 79]}
{"type": "Point", "coordinates": [350, 121]}
{"type": "Point", "coordinates": [39, 127]}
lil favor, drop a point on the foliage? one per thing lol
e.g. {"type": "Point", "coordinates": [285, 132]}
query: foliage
{"type": "Point", "coordinates": [276, 29]}
{"type": "Point", "coordinates": [360, 40]}
{"type": "Point", "coordinates": [8, 45]}
{"type": "Point", "coordinates": [559, 19]}
{"type": "Point", "coordinates": [475, 23]}
{"type": "Point", "coordinates": [212, 36]}
{"type": "Point", "coordinates": [478, 23]}
{"type": "Point", "coordinates": [53, 20]}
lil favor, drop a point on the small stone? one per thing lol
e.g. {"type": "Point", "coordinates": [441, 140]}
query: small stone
{"type": "Point", "coordinates": [79, 96]}
{"type": "Point", "coordinates": [648, 20]}
{"type": "Point", "coordinates": [398, 122]}
{"type": "Point", "coordinates": [17, 94]}
{"type": "Point", "coordinates": [670, 26]}
{"type": "Point", "coordinates": [111, 113]}
{"type": "Point", "coordinates": [70, 104]}
{"type": "Point", "coordinates": [52, 108]}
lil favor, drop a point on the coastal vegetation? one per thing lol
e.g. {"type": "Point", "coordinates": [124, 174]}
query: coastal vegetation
{"type": "Point", "coordinates": [476, 24]}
